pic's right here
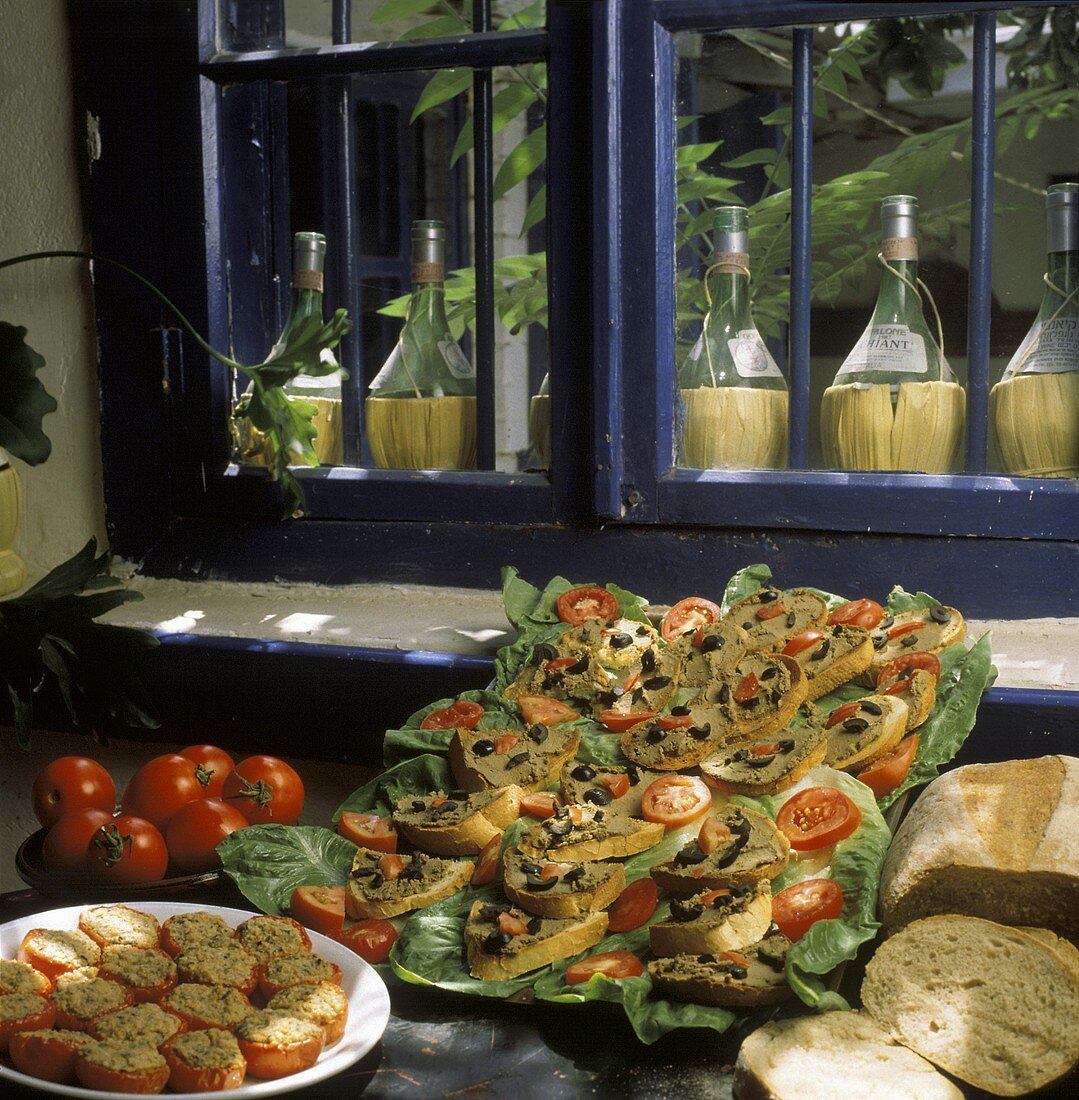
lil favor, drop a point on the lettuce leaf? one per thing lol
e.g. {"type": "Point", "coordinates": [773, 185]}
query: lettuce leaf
{"type": "Point", "coordinates": [900, 600]}
{"type": "Point", "coordinates": [744, 583]}
{"type": "Point", "coordinates": [416, 776]}
{"type": "Point", "coordinates": [410, 741]}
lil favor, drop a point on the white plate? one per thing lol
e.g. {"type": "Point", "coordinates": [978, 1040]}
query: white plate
{"type": "Point", "coordinates": [368, 1004]}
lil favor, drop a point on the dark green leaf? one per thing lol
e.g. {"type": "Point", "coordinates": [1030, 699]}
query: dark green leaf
{"type": "Point", "coordinates": [536, 212]}
{"type": "Point", "coordinates": [24, 401]}
{"type": "Point", "coordinates": [764, 155]}
{"type": "Point", "coordinates": [445, 26]}
{"type": "Point", "coordinates": [521, 161]}
{"type": "Point", "coordinates": [420, 774]}
{"type": "Point", "coordinates": [445, 84]}
{"type": "Point", "coordinates": [70, 576]}
{"type": "Point", "coordinates": [531, 15]}
{"type": "Point", "coordinates": [393, 10]}
{"type": "Point", "coordinates": [744, 583]}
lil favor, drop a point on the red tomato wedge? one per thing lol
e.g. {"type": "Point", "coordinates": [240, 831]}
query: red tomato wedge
{"type": "Point", "coordinates": [461, 715]}
{"type": "Point", "coordinates": [618, 785]}
{"type": "Point", "coordinates": [885, 774]}
{"type": "Point", "coordinates": [714, 834]}
{"type": "Point", "coordinates": [618, 720]}
{"type": "Point", "coordinates": [800, 906]}
{"type": "Point", "coordinates": [391, 866]}
{"type": "Point", "coordinates": [369, 831]}
{"type": "Point", "coordinates": [511, 925]}
{"type": "Point", "coordinates": [611, 964]}
{"type": "Point", "coordinates": [578, 605]}
{"type": "Point", "coordinates": [554, 870]}
{"type": "Point", "coordinates": [771, 611]}
{"type": "Point", "coordinates": [371, 939]}
{"type": "Point", "coordinates": [841, 714]}
{"type": "Point", "coordinates": [735, 957]}
{"type": "Point", "coordinates": [817, 817]}
{"type": "Point", "coordinates": [802, 642]}
{"type": "Point", "coordinates": [675, 800]}
{"type": "Point", "coordinates": [675, 721]}
{"type": "Point", "coordinates": [634, 906]}
{"type": "Point", "coordinates": [765, 748]}
{"type": "Point", "coordinates": [504, 743]}
{"type": "Point", "coordinates": [927, 662]}
{"type": "Point", "coordinates": [864, 613]}
{"type": "Point", "coordinates": [710, 896]}
{"type": "Point", "coordinates": [560, 662]}
{"type": "Point", "coordinates": [904, 628]}
{"type": "Point", "coordinates": [487, 862]}
{"type": "Point", "coordinates": [321, 908]}
{"type": "Point", "coordinates": [540, 803]}
{"type": "Point", "coordinates": [689, 614]}
{"type": "Point", "coordinates": [747, 689]}
{"type": "Point", "coordinates": [549, 712]}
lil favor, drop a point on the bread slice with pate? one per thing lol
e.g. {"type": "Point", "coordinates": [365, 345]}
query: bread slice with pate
{"type": "Point", "coordinates": [458, 823]}
{"type": "Point", "coordinates": [549, 889]}
{"type": "Point", "coordinates": [918, 689]}
{"type": "Point", "coordinates": [383, 884]}
{"type": "Point", "coordinates": [724, 919]}
{"type": "Point", "coordinates": [763, 691]}
{"type": "Point", "coordinates": [770, 617]}
{"type": "Point", "coordinates": [675, 743]}
{"type": "Point", "coordinates": [486, 760]}
{"type": "Point", "coordinates": [618, 788]}
{"type": "Point", "coordinates": [768, 765]}
{"type": "Point", "coordinates": [830, 656]}
{"type": "Point", "coordinates": [927, 630]}
{"type": "Point", "coordinates": [864, 730]}
{"type": "Point", "coordinates": [580, 834]}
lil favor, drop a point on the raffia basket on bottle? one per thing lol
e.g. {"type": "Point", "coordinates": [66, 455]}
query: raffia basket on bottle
{"type": "Point", "coordinates": [731, 427]}
{"type": "Point", "coordinates": [422, 433]}
{"type": "Point", "coordinates": [539, 428]}
{"type": "Point", "coordinates": [329, 444]}
{"type": "Point", "coordinates": [1036, 417]}
{"type": "Point", "coordinates": [12, 567]}
{"type": "Point", "coordinates": [861, 431]}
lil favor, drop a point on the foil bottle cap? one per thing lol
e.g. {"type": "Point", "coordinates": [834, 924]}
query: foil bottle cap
{"type": "Point", "coordinates": [899, 216]}
{"type": "Point", "coordinates": [1062, 218]}
{"type": "Point", "coordinates": [730, 230]}
{"type": "Point", "coordinates": [428, 242]}
{"type": "Point", "coordinates": [308, 252]}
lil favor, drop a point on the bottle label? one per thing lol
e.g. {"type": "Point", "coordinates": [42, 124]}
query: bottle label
{"type": "Point", "coordinates": [304, 278]}
{"type": "Point", "coordinates": [900, 248]}
{"type": "Point", "coordinates": [887, 348]}
{"type": "Point", "coordinates": [751, 357]}
{"type": "Point", "coordinates": [1051, 348]}
{"type": "Point", "coordinates": [428, 273]}
{"type": "Point", "coordinates": [456, 360]}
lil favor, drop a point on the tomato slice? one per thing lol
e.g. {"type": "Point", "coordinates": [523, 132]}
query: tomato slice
{"type": "Point", "coordinates": [321, 908]}
{"type": "Point", "coordinates": [540, 803]}
{"type": "Point", "coordinates": [714, 834]}
{"type": "Point", "coordinates": [369, 831]}
{"type": "Point", "coordinates": [618, 720]}
{"type": "Point", "coordinates": [611, 964]}
{"type": "Point", "coordinates": [710, 896]}
{"type": "Point", "coordinates": [927, 662]}
{"type": "Point", "coordinates": [771, 611]}
{"type": "Point", "coordinates": [461, 715]}
{"type": "Point", "coordinates": [900, 687]}
{"type": "Point", "coordinates": [735, 957]}
{"type": "Point", "coordinates": [487, 862]}
{"type": "Point", "coordinates": [371, 939]}
{"type": "Point", "coordinates": [618, 785]}
{"type": "Point", "coordinates": [904, 628]}
{"type": "Point", "coordinates": [864, 613]}
{"type": "Point", "coordinates": [549, 712]}
{"type": "Point", "coordinates": [506, 742]}
{"type": "Point", "coordinates": [817, 817]}
{"type": "Point", "coordinates": [885, 774]}
{"type": "Point", "coordinates": [747, 689]}
{"type": "Point", "coordinates": [689, 614]}
{"type": "Point", "coordinates": [802, 642]}
{"type": "Point", "coordinates": [800, 906]}
{"type": "Point", "coordinates": [674, 721]}
{"type": "Point", "coordinates": [765, 748]}
{"type": "Point", "coordinates": [578, 605]}
{"type": "Point", "coordinates": [560, 662]}
{"type": "Point", "coordinates": [511, 925]}
{"type": "Point", "coordinates": [634, 906]}
{"type": "Point", "coordinates": [391, 866]}
{"type": "Point", "coordinates": [841, 714]}
{"type": "Point", "coordinates": [675, 800]}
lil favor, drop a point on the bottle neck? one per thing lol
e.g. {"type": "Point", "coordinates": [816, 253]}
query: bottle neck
{"type": "Point", "coordinates": [729, 293]}
{"type": "Point", "coordinates": [1063, 271]}
{"type": "Point", "coordinates": [427, 304]}
{"type": "Point", "coordinates": [897, 297]}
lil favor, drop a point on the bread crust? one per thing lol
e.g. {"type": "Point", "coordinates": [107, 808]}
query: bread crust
{"type": "Point", "coordinates": [569, 905]}
{"type": "Point", "coordinates": [892, 730]}
{"type": "Point", "coordinates": [358, 907]}
{"type": "Point", "coordinates": [746, 925]}
{"type": "Point", "coordinates": [840, 672]}
{"type": "Point", "coordinates": [648, 833]}
{"type": "Point", "coordinates": [469, 836]}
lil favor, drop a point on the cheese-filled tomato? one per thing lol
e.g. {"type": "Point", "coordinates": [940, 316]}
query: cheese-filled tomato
{"type": "Point", "coordinates": [885, 774]}
{"type": "Point", "coordinates": [801, 642]}
{"type": "Point", "coordinates": [369, 831]}
{"type": "Point", "coordinates": [611, 964]}
{"type": "Point", "coordinates": [797, 908]}
{"type": "Point", "coordinates": [675, 800]}
{"type": "Point", "coordinates": [817, 817]}
{"type": "Point", "coordinates": [689, 614]}
{"type": "Point", "coordinates": [578, 605]}
{"type": "Point", "coordinates": [462, 715]}
{"type": "Point", "coordinates": [321, 908]}
{"type": "Point", "coordinates": [546, 711]}
{"type": "Point", "coordinates": [634, 906]}
{"type": "Point", "coordinates": [927, 662]}
{"type": "Point", "coordinates": [618, 720]}
{"type": "Point", "coordinates": [864, 613]}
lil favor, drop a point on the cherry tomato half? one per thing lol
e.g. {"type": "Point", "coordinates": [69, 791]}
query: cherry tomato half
{"type": "Point", "coordinates": [369, 831]}
{"type": "Point", "coordinates": [799, 906]}
{"type": "Point", "coordinates": [927, 662]}
{"type": "Point", "coordinates": [675, 800]}
{"type": "Point", "coordinates": [634, 906]}
{"type": "Point", "coordinates": [267, 791]}
{"type": "Point", "coordinates": [864, 613]}
{"type": "Point", "coordinates": [689, 614]}
{"type": "Point", "coordinates": [578, 605]}
{"type": "Point", "coordinates": [65, 844]}
{"type": "Point", "coordinates": [72, 783]}
{"type": "Point", "coordinates": [802, 642]}
{"type": "Point", "coordinates": [160, 787]}
{"type": "Point", "coordinates": [462, 715]}
{"type": "Point", "coordinates": [320, 908]}
{"type": "Point", "coordinates": [611, 964]}
{"type": "Point", "coordinates": [195, 830]}
{"type": "Point", "coordinates": [885, 774]}
{"type": "Point", "coordinates": [127, 849]}
{"type": "Point", "coordinates": [841, 714]}
{"type": "Point", "coordinates": [816, 817]}
{"type": "Point", "coordinates": [487, 862]}
{"type": "Point", "coordinates": [540, 803]}
{"type": "Point", "coordinates": [618, 720]}
{"type": "Point", "coordinates": [213, 769]}
{"type": "Point", "coordinates": [548, 712]}
{"type": "Point", "coordinates": [370, 939]}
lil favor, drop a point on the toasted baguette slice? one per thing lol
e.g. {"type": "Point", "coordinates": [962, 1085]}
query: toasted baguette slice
{"type": "Point", "coordinates": [492, 956]}
{"type": "Point", "coordinates": [447, 826]}
{"type": "Point", "coordinates": [920, 694]}
{"type": "Point", "coordinates": [531, 761]}
{"type": "Point", "coordinates": [714, 921]}
{"type": "Point", "coordinates": [781, 688]}
{"type": "Point", "coordinates": [613, 645]}
{"type": "Point", "coordinates": [801, 610]}
{"type": "Point", "coordinates": [560, 889]}
{"type": "Point", "coordinates": [370, 894]}
{"type": "Point", "coordinates": [766, 766]}
{"type": "Point", "coordinates": [757, 851]}
{"type": "Point", "coordinates": [647, 684]}
{"type": "Point", "coordinates": [865, 736]}
{"type": "Point", "coordinates": [579, 682]}
{"type": "Point", "coordinates": [843, 653]}
{"type": "Point", "coordinates": [586, 783]}
{"type": "Point", "coordinates": [753, 976]}
{"type": "Point", "coordinates": [649, 745]}
{"type": "Point", "coordinates": [583, 834]}
{"type": "Point", "coordinates": [707, 652]}
{"type": "Point", "coordinates": [989, 1004]}
{"type": "Point", "coordinates": [833, 1056]}
{"type": "Point", "coordinates": [933, 636]}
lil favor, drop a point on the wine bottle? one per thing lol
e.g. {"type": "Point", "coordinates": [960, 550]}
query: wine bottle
{"type": "Point", "coordinates": [1034, 408]}
{"type": "Point", "coordinates": [250, 445]}
{"type": "Point", "coordinates": [539, 423]}
{"type": "Point", "coordinates": [734, 398]}
{"type": "Point", "coordinates": [895, 403]}
{"type": "Point", "coordinates": [421, 409]}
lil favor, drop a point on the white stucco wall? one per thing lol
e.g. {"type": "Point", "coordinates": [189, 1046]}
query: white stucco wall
{"type": "Point", "coordinates": [40, 208]}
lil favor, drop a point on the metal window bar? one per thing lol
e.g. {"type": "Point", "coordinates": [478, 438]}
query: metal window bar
{"type": "Point", "coordinates": [801, 291]}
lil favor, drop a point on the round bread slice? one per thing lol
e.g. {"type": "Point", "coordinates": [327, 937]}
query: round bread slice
{"type": "Point", "coordinates": [833, 1056]}
{"type": "Point", "coordinates": [550, 889]}
{"type": "Point", "coordinates": [582, 834]}
{"type": "Point", "coordinates": [771, 617]}
{"type": "Point", "coordinates": [706, 652]}
{"type": "Point", "coordinates": [593, 783]}
{"type": "Point", "coordinates": [651, 745]}
{"type": "Point", "coordinates": [647, 684]}
{"type": "Point", "coordinates": [919, 693]}
{"type": "Point", "coordinates": [614, 645]}
{"type": "Point", "coordinates": [763, 691]}
{"type": "Point", "coordinates": [453, 826]}
{"type": "Point", "coordinates": [938, 628]}
{"type": "Point", "coordinates": [878, 725]}
{"type": "Point", "coordinates": [423, 881]}
{"type": "Point", "coordinates": [989, 1004]}
{"type": "Point", "coordinates": [560, 672]}
{"type": "Point", "coordinates": [835, 658]}
{"type": "Point", "coordinates": [766, 766]}
{"type": "Point", "coordinates": [486, 760]}
{"type": "Point", "coordinates": [753, 976]}
{"type": "Point", "coordinates": [709, 923]}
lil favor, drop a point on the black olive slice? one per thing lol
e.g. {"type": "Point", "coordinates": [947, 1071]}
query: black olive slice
{"type": "Point", "coordinates": [517, 759]}
{"type": "Point", "coordinates": [419, 804]}
{"type": "Point", "coordinates": [544, 652]}
{"type": "Point", "coordinates": [786, 745]}
{"type": "Point", "coordinates": [575, 874]}
{"type": "Point", "coordinates": [598, 815]}
{"type": "Point", "coordinates": [767, 595]}
{"type": "Point", "coordinates": [620, 640]}
{"type": "Point", "coordinates": [700, 733]}
{"type": "Point", "coordinates": [909, 640]}
{"type": "Point", "coordinates": [685, 910]}
{"type": "Point", "coordinates": [656, 682]}
{"type": "Point", "coordinates": [607, 698]}
{"type": "Point", "coordinates": [493, 912]}
{"type": "Point", "coordinates": [822, 651]}
{"type": "Point", "coordinates": [495, 942]}
{"type": "Point", "coordinates": [376, 881]}
{"type": "Point", "coordinates": [636, 695]}
{"type": "Point", "coordinates": [760, 761]}
{"type": "Point", "coordinates": [706, 959]}
{"type": "Point", "coordinates": [855, 725]}
{"type": "Point", "coordinates": [653, 735]}
{"type": "Point", "coordinates": [530, 868]}
{"type": "Point", "coordinates": [791, 619]}
{"type": "Point", "coordinates": [739, 891]}
{"type": "Point", "coordinates": [634, 775]}
{"type": "Point", "coordinates": [577, 668]}
{"type": "Point", "coordinates": [739, 756]}
{"type": "Point", "coordinates": [538, 885]}
{"type": "Point", "coordinates": [559, 828]}
{"type": "Point", "coordinates": [583, 772]}
{"type": "Point", "coordinates": [643, 631]}
{"type": "Point", "coordinates": [738, 973]}
{"type": "Point", "coordinates": [483, 747]}
{"type": "Point", "coordinates": [880, 641]}
{"type": "Point", "coordinates": [534, 925]}
{"type": "Point", "coordinates": [459, 795]}
{"type": "Point", "coordinates": [755, 701]}
{"type": "Point", "coordinates": [679, 712]}
{"type": "Point", "coordinates": [886, 622]}
{"type": "Point", "coordinates": [740, 827]}
{"type": "Point", "coordinates": [747, 626]}
{"type": "Point", "coordinates": [538, 733]}
{"type": "Point", "coordinates": [872, 708]}
{"type": "Point", "coordinates": [711, 642]}
{"type": "Point", "coordinates": [597, 796]}
{"type": "Point", "coordinates": [648, 661]}
{"type": "Point", "coordinates": [940, 614]}
{"type": "Point", "coordinates": [724, 693]}
{"type": "Point", "coordinates": [690, 856]}
{"type": "Point", "coordinates": [769, 672]}
{"type": "Point", "coordinates": [362, 872]}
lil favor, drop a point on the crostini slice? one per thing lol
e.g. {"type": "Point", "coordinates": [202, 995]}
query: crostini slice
{"type": "Point", "coordinates": [561, 672]}
{"type": "Point", "coordinates": [613, 645]}
{"type": "Point", "coordinates": [549, 889]}
{"type": "Point", "coordinates": [485, 760]}
{"type": "Point", "coordinates": [581, 834]}
{"type": "Point", "coordinates": [864, 733]}
{"type": "Point", "coordinates": [384, 884]}
{"type": "Point", "coordinates": [770, 617]}
{"type": "Point", "coordinates": [662, 745]}
{"type": "Point", "coordinates": [767, 765]}
{"type": "Point", "coordinates": [600, 784]}
{"type": "Point", "coordinates": [456, 823]}
{"type": "Point", "coordinates": [918, 689]}
{"type": "Point", "coordinates": [927, 630]}
{"type": "Point", "coordinates": [763, 692]}
{"type": "Point", "coordinates": [727, 918]}
{"type": "Point", "coordinates": [830, 656]}
{"type": "Point", "coordinates": [706, 652]}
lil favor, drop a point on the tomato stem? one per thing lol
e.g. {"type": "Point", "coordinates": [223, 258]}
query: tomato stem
{"type": "Point", "coordinates": [204, 775]}
{"type": "Point", "coordinates": [112, 841]}
{"type": "Point", "coordinates": [260, 791]}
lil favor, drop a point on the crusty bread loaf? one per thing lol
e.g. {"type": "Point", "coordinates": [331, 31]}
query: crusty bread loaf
{"type": "Point", "coordinates": [835, 1056]}
{"type": "Point", "coordinates": [991, 1005]}
{"type": "Point", "coordinates": [991, 840]}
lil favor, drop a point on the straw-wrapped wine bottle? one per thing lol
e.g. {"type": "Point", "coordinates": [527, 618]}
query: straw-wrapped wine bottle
{"type": "Point", "coordinates": [733, 395]}
{"type": "Point", "coordinates": [250, 446]}
{"type": "Point", "coordinates": [1035, 406]}
{"type": "Point", "coordinates": [895, 403]}
{"type": "Point", "coordinates": [421, 409]}
{"type": "Point", "coordinates": [539, 423]}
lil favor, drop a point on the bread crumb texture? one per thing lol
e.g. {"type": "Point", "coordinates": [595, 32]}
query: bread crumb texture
{"type": "Point", "coordinates": [298, 968]}
{"type": "Point", "coordinates": [210, 1048]}
{"type": "Point", "coordinates": [20, 977]}
{"type": "Point", "coordinates": [123, 1057]}
{"type": "Point", "coordinates": [138, 966]}
{"type": "Point", "coordinates": [189, 930]}
{"type": "Point", "coordinates": [216, 1004]}
{"type": "Point", "coordinates": [270, 937]}
{"type": "Point", "coordinates": [277, 1027]}
{"type": "Point", "coordinates": [120, 924]}
{"type": "Point", "coordinates": [20, 1006]}
{"type": "Point", "coordinates": [217, 964]}
{"type": "Point", "coordinates": [85, 1000]}
{"type": "Point", "coordinates": [148, 1024]}
{"type": "Point", "coordinates": [323, 1002]}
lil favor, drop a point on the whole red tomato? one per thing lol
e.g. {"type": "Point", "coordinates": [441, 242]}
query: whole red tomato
{"type": "Point", "coordinates": [196, 829]}
{"type": "Point", "coordinates": [213, 769]}
{"type": "Point", "coordinates": [127, 849]}
{"type": "Point", "coordinates": [267, 791]}
{"type": "Point", "coordinates": [72, 783]}
{"type": "Point", "coordinates": [160, 787]}
{"type": "Point", "coordinates": [65, 844]}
